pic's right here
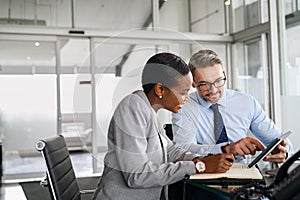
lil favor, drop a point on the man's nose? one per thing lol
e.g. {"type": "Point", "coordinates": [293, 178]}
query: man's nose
{"type": "Point", "coordinates": [213, 88]}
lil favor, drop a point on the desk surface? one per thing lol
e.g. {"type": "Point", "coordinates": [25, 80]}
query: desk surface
{"type": "Point", "coordinates": [227, 190]}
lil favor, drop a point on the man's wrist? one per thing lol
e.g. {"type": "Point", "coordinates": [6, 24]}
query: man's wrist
{"type": "Point", "coordinates": [223, 148]}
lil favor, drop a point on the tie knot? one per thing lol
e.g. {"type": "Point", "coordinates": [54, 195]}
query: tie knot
{"type": "Point", "coordinates": [215, 107]}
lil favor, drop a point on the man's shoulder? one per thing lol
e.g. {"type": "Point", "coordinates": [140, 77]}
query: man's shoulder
{"type": "Point", "coordinates": [193, 101]}
{"type": "Point", "coordinates": [192, 106]}
{"type": "Point", "coordinates": [193, 96]}
{"type": "Point", "coordinates": [237, 98]}
{"type": "Point", "coordinates": [238, 94]}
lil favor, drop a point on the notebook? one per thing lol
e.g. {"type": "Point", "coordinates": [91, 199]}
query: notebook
{"type": "Point", "coordinates": [240, 173]}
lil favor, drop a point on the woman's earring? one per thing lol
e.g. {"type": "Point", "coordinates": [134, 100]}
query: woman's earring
{"type": "Point", "coordinates": [160, 97]}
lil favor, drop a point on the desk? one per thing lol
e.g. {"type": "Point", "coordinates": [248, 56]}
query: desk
{"type": "Point", "coordinates": [193, 190]}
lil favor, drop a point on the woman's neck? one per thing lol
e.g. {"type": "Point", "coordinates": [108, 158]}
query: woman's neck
{"type": "Point", "coordinates": [155, 102]}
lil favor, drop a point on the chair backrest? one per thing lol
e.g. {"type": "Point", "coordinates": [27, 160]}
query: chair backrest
{"type": "Point", "coordinates": [169, 131]}
{"type": "Point", "coordinates": [60, 171]}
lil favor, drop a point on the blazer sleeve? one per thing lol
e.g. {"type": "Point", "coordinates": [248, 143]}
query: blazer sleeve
{"type": "Point", "coordinates": [130, 129]}
{"type": "Point", "coordinates": [176, 153]}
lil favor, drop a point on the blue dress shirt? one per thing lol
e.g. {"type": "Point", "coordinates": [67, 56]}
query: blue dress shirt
{"type": "Point", "coordinates": [193, 125]}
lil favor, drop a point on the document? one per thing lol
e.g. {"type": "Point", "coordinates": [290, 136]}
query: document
{"type": "Point", "coordinates": [237, 171]}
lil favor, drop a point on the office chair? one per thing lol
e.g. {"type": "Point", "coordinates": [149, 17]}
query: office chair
{"type": "Point", "coordinates": [175, 189]}
{"type": "Point", "coordinates": [169, 131]}
{"type": "Point", "coordinates": [60, 176]}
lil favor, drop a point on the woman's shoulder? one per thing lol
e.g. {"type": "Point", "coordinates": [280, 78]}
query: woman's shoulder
{"type": "Point", "coordinates": [135, 101]}
{"type": "Point", "coordinates": [132, 107]}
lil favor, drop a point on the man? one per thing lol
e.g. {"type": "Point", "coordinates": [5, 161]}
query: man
{"type": "Point", "coordinates": [217, 120]}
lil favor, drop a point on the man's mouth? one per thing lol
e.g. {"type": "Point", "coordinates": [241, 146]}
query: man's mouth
{"type": "Point", "coordinates": [212, 94]}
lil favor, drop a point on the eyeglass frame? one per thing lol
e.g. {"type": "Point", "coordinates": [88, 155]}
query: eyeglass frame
{"type": "Point", "coordinates": [205, 83]}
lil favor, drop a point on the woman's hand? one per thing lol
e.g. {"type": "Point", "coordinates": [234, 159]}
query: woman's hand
{"type": "Point", "coordinates": [218, 163]}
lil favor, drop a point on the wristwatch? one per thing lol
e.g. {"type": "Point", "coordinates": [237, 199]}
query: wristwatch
{"type": "Point", "coordinates": [200, 166]}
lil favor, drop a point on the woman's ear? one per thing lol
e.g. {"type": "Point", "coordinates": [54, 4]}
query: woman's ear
{"type": "Point", "coordinates": [159, 90]}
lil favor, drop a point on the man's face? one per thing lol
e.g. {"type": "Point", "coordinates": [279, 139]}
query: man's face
{"type": "Point", "coordinates": [203, 79]}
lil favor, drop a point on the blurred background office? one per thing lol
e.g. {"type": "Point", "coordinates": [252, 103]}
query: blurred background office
{"type": "Point", "coordinates": [65, 65]}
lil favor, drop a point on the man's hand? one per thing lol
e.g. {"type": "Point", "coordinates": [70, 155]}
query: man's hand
{"type": "Point", "coordinates": [218, 163]}
{"type": "Point", "coordinates": [278, 155]}
{"type": "Point", "coordinates": [245, 146]}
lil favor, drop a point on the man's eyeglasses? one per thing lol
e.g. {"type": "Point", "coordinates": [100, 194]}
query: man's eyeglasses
{"type": "Point", "coordinates": [207, 85]}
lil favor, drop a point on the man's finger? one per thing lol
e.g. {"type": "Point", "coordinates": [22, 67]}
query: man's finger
{"type": "Point", "coordinates": [240, 152]}
{"type": "Point", "coordinates": [275, 158]}
{"type": "Point", "coordinates": [283, 143]}
{"type": "Point", "coordinates": [257, 143]}
{"type": "Point", "coordinates": [245, 149]}
{"type": "Point", "coordinates": [251, 147]}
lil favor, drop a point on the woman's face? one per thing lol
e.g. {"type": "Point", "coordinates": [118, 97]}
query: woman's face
{"type": "Point", "coordinates": [177, 95]}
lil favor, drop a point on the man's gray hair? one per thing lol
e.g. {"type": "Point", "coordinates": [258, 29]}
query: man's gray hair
{"type": "Point", "coordinates": [204, 58]}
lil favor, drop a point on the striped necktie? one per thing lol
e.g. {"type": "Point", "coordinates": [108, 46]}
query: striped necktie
{"type": "Point", "coordinates": [219, 128]}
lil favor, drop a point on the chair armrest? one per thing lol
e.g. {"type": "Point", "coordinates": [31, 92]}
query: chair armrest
{"type": "Point", "coordinates": [87, 191]}
{"type": "Point", "coordinates": [44, 182]}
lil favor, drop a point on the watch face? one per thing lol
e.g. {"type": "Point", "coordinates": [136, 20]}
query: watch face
{"type": "Point", "coordinates": [200, 166]}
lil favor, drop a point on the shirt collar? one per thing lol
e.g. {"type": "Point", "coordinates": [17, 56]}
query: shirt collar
{"type": "Point", "coordinates": [207, 104]}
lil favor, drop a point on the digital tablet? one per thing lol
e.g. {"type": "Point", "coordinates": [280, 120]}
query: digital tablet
{"type": "Point", "coordinates": [269, 148]}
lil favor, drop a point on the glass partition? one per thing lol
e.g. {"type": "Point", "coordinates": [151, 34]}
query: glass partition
{"type": "Point", "coordinates": [76, 101]}
{"type": "Point", "coordinates": [28, 114]}
{"type": "Point", "coordinates": [207, 16]}
{"type": "Point", "coordinates": [28, 101]}
{"type": "Point", "coordinates": [112, 14]}
{"type": "Point", "coordinates": [50, 13]}
{"type": "Point", "coordinates": [290, 81]}
{"type": "Point", "coordinates": [291, 6]}
{"type": "Point", "coordinates": [249, 70]}
{"type": "Point", "coordinates": [248, 13]}
{"type": "Point", "coordinates": [30, 56]}
{"type": "Point", "coordinates": [117, 75]}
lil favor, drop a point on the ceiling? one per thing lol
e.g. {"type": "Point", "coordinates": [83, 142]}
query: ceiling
{"type": "Point", "coordinates": [98, 14]}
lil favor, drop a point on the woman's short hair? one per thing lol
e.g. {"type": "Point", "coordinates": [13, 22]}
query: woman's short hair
{"type": "Point", "coordinates": [164, 68]}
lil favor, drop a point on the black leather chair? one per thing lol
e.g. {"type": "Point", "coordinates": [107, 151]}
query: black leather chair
{"type": "Point", "coordinates": [169, 131]}
{"type": "Point", "coordinates": [60, 176]}
{"type": "Point", "coordinates": [175, 189]}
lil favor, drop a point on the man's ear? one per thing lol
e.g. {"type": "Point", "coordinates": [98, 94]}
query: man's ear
{"type": "Point", "coordinates": [194, 85]}
{"type": "Point", "coordinates": [159, 89]}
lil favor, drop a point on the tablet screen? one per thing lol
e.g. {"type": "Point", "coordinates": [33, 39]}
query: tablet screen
{"type": "Point", "coordinates": [269, 148]}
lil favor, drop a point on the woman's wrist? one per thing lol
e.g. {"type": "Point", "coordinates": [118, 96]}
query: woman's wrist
{"type": "Point", "coordinates": [199, 164]}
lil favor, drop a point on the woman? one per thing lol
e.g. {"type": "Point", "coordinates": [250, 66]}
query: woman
{"type": "Point", "coordinates": [140, 158]}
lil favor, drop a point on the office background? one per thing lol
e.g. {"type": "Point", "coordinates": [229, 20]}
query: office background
{"type": "Point", "coordinates": [65, 64]}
